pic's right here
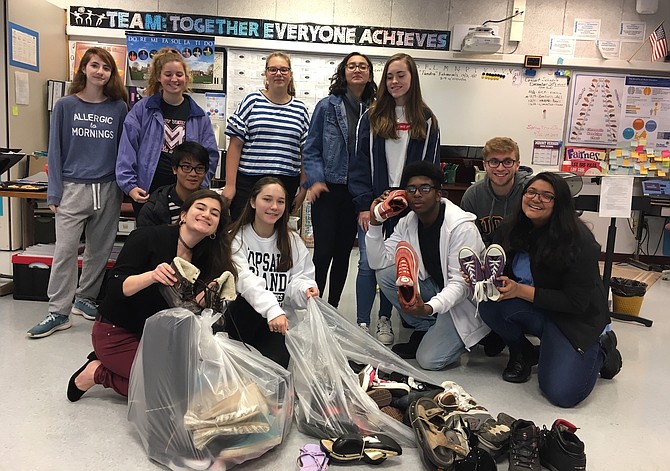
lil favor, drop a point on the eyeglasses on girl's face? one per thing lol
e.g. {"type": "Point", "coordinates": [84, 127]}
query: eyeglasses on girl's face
{"type": "Point", "coordinates": [424, 189]}
{"type": "Point", "coordinates": [495, 163]}
{"type": "Point", "coordinates": [544, 197]}
{"type": "Point", "coordinates": [362, 66]}
{"type": "Point", "coordinates": [275, 70]}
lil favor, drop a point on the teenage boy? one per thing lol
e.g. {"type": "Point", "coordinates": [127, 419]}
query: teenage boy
{"type": "Point", "coordinates": [443, 318]}
{"type": "Point", "coordinates": [190, 162]}
{"type": "Point", "coordinates": [493, 198]}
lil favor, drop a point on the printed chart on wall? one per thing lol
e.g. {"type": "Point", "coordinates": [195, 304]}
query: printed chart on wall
{"type": "Point", "coordinates": [474, 103]}
{"type": "Point", "coordinates": [595, 110]}
{"type": "Point", "coordinates": [646, 111]}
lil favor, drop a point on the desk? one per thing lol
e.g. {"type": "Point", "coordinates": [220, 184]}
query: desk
{"type": "Point", "coordinates": [28, 199]}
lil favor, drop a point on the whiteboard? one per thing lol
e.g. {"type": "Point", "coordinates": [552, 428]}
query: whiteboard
{"type": "Point", "coordinates": [474, 103]}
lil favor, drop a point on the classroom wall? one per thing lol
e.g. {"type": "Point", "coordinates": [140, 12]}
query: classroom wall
{"type": "Point", "coordinates": [542, 17]}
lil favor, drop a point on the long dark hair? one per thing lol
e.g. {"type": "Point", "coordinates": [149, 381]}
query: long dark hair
{"type": "Point", "coordinates": [214, 256]}
{"type": "Point", "coordinates": [555, 243]}
{"type": "Point", "coordinates": [114, 87]}
{"type": "Point", "coordinates": [382, 112]}
{"type": "Point", "coordinates": [281, 226]}
{"type": "Point", "coordinates": [338, 82]}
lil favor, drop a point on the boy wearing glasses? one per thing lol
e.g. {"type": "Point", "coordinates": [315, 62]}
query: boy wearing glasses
{"type": "Point", "coordinates": [190, 162]}
{"type": "Point", "coordinates": [494, 197]}
{"type": "Point", "coordinates": [444, 320]}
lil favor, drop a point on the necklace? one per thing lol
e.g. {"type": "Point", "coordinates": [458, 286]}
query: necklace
{"type": "Point", "coordinates": [184, 243]}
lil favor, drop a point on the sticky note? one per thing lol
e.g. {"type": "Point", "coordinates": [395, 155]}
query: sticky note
{"type": "Point", "coordinates": [661, 173]}
{"type": "Point", "coordinates": [665, 153]}
{"type": "Point", "coordinates": [639, 148]}
{"type": "Point", "coordinates": [15, 110]}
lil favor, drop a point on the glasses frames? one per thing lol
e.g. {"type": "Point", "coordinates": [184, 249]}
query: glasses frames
{"type": "Point", "coordinates": [544, 197]}
{"type": "Point", "coordinates": [495, 163]}
{"type": "Point", "coordinates": [411, 189]}
{"type": "Point", "coordinates": [362, 66]}
{"type": "Point", "coordinates": [275, 70]}
{"type": "Point", "coordinates": [199, 170]}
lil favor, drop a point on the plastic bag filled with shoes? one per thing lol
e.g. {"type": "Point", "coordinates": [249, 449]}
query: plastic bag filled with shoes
{"type": "Point", "coordinates": [202, 401]}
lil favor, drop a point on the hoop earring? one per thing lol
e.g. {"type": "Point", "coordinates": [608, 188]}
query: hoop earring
{"type": "Point", "coordinates": [212, 236]}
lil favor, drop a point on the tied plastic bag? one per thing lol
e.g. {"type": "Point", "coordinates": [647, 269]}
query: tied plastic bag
{"type": "Point", "coordinates": [200, 400]}
{"type": "Point", "coordinates": [329, 399]}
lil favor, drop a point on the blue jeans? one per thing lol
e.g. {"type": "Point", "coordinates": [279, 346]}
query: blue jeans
{"type": "Point", "coordinates": [566, 376]}
{"type": "Point", "coordinates": [366, 286]}
{"type": "Point", "coordinates": [441, 346]}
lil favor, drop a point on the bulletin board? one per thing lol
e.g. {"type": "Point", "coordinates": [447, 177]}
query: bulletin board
{"type": "Point", "coordinates": [606, 109]}
{"type": "Point", "coordinates": [472, 102]}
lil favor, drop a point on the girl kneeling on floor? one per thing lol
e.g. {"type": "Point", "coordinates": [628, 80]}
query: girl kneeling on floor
{"type": "Point", "coordinates": [274, 267]}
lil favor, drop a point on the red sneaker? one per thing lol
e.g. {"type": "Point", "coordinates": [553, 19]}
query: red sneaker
{"type": "Point", "coordinates": [407, 273]}
{"type": "Point", "coordinates": [394, 204]}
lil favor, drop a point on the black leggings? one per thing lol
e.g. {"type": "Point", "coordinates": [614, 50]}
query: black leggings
{"type": "Point", "coordinates": [243, 323]}
{"type": "Point", "coordinates": [334, 221]}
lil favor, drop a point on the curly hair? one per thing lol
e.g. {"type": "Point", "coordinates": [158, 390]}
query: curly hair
{"type": "Point", "coordinates": [338, 82]}
{"type": "Point", "coordinates": [162, 57]}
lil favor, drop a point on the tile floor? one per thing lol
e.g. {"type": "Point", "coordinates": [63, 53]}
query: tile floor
{"type": "Point", "coordinates": [624, 423]}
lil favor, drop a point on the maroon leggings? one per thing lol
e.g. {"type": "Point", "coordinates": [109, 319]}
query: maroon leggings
{"type": "Point", "coordinates": [115, 347]}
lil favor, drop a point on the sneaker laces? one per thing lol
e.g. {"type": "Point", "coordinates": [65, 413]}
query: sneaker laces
{"type": "Point", "coordinates": [524, 452]}
{"type": "Point", "coordinates": [49, 318]}
{"type": "Point", "coordinates": [88, 303]}
{"type": "Point", "coordinates": [404, 272]}
{"type": "Point", "coordinates": [384, 326]}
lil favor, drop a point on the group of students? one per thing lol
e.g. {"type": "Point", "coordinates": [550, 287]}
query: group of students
{"type": "Point", "coordinates": [361, 141]}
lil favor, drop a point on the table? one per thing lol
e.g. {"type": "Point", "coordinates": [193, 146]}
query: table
{"type": "Point", "coordinates": [28, 199]}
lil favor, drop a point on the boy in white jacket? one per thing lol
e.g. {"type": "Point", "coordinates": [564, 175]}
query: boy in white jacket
{"type": "Point", "coordinates": [444, 319]}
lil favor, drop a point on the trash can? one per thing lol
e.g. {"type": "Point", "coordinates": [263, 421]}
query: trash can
{"type": "Point", "coordinates": [627, 295]}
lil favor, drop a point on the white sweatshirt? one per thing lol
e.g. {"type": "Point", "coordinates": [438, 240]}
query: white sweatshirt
{"type": "Point", "coordinates": [259, 282]}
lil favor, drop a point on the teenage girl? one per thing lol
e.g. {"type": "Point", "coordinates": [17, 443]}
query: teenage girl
{"type": "Point", "coordinates": [329, 149]}
{"type": "Point", "coordinates": [157, 125]}
{"type": "Point", "coordinates": [399, 128]}
{"type": "Point", "coordinates": [267, 133]}
{"type": "Point", "coordinates": [274, 268]}
{"type": "Point", "coordinates": [83, 194]}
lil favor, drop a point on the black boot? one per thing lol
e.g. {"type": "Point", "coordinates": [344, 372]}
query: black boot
{"type": "Point", "coordinates": [521, 363]}
{"type": "Point", "coordinates": [408, 350]}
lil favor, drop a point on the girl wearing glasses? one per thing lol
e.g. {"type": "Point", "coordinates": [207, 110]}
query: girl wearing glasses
{"type": "Point", "coordinates": [156, 125]}
{"type": "Point", "coordinates": [329, 149]}
{"type": "Point", "coordinates": [552, 290]}
{"type": "Point", "coordinates": [399, 128]}
{"type": "Point", "coordinates": [83, 194]}
{"type": "Point", "coordinates": [267, 133]}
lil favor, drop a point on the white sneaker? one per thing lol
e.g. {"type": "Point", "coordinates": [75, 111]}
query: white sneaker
{"type": "Point", "coordinates": [364, 327]}
{"type": "Point", "coordinates": [385, 331]}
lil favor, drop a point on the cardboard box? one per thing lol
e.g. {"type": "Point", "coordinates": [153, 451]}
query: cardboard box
{"type": "Point", "coordinates": [36, 164]}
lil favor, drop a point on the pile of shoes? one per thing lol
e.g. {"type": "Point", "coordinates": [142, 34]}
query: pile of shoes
{"type": "Point", "coordinates": [483, 272]}
{"type": "Point", "coordinates": [529, 448]}
{"type": "Point", "coordinates": [392, 392]}
{"type": "Point", "coordinates": [371, 449]}
{"type": "Point", "coordinates": [455, 401]}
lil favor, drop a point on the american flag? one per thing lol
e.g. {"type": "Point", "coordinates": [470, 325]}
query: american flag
{"type": "Point", "coordinates": [659, 44]}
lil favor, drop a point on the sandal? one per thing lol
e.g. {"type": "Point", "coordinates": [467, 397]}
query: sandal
{"type": "Point", "coordinates": [372, 449]}
{"type": "Point", "coordinates": [312, 458]}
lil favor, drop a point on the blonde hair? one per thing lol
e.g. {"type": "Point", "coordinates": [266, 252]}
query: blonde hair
{"type": "Point", "coordinates": [162, 57]}
{"type": "Point", "coordinates": [500, 145]}
{"type": "Point", "coordinates": [287, 58]}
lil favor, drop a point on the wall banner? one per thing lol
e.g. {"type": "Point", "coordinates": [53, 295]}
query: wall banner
{"type": "Point", "coordinates": [162, 22]}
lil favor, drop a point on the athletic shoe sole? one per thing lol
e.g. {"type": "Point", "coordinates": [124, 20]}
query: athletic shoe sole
{"type": "Point", "coordinates": [407, 273]}
{"type": "Point", "coordinates": [81, 313]}
{"type": "Point", "coordinates": [63, 326]}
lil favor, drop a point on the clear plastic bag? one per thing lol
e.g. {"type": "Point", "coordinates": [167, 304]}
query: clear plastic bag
{"type": "Point", "coordinates": [203, 401]}
{"type": "Point", "coordinates": [329, 399]}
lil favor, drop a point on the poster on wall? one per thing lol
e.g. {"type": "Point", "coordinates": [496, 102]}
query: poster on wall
{"type": "Point", "coordinates": [646, 111]}
{"type": "Point", "coordinates": [594, 110]}
{"type": "Point", "coordinates": [78, 48]}
{"type": "Point", "coordinates": [198, 52]}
